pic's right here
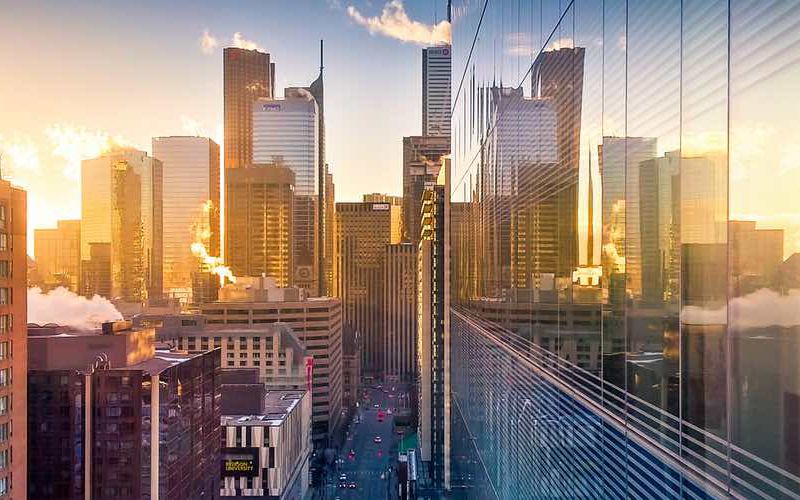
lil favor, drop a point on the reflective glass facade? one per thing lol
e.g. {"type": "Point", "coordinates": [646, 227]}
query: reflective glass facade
{"type": "Point", "coordinates": [626, 248]}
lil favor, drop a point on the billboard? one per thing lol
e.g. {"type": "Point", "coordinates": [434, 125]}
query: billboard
{"type": "Point", "coordinates": [239, 462]}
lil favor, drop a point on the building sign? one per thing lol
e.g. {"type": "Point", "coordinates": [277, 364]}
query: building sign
{"type": "Point", "coordinates": [239, 462]}
{"type": "Point", "coordinates": [380, 207]}
{"type": "Point", "coordinates": [271, 107]}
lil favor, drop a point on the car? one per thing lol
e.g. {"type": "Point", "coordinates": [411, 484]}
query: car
{"type": "Point", "coordinates": [376, 405]}
{"type": "Point", "coordinates": [377, 440]}
{"type": "Point", "coordinates": [342, 477]}
{"type": "Point", "coordinates": [342, 484]}
{"type": "Point", "coordinates": [352, 485]}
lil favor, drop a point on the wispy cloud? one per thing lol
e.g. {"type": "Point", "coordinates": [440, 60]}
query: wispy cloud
{"type": "Point", "coordinates": [20, 153]}
{"type": "Point", "coordinates": [395, 23]}
{"type": "Point", "coordinates": [208, 43]}
{"type": "Point", "coordinates": [239, 41]}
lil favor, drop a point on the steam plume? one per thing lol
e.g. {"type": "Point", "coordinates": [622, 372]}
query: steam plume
{"type": "Point", "coordinates": [395, 23]}
{"type": "Point", "coordinates": [202, 231]}
{"type": "Point", "coordinates": [208, 43]}
{"type": "Point", "coordinates": [62, 307]}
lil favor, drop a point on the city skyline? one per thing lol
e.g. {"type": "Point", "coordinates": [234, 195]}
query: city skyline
{"type": "Point", "coordinates": [48, 127]}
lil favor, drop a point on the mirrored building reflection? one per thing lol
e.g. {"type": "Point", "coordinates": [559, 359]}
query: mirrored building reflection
{"type": "Point", "coordinates": [624, 249]}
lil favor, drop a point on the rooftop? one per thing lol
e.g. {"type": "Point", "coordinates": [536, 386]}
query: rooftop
{"type": "Point", "coordinates": [277, 406]}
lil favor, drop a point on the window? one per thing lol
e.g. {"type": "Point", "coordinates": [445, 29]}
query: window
{"type": "Point", "coordinates": [188, 322]}
{"type": "Point", "coordinates": [3, 242]}
{"type": "Point", "coordinates": [3, 405]}
{"type": "Point", "coordinates": [5, 377]}
{"type": "Point", "coordinates": [5, 323]}
{"type": "Point", "coordinates": [5, 268]}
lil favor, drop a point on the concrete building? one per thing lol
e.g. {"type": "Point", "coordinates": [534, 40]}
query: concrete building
{"type": "Point", "coordinates": [315, 322]}
{"type": "Point", "coordinates": [362, 232]}
{"type": "Point", "coordinates": [330, 233]}
{"type": "Point", "coordinates": [421, 162]}
{"type": "Point", "coordinates": [351, 366]}
{"type": "Point", "coordinates": [58, 255]}
{"type": "Point", "coordinates": [286, 132]}
{"type": "Point", "coordinates": [247, 75]}
{"type": "Point", "coordinates": [265, 451]}
{"type": "Point", "coordinates": [121, 226]}
{"type": "Point", "coordinates": [400, 312]}
{"type": "Point", "coordinates": [433, 351]}
{"type": "Point", "coordinates": [436, 76]}
{"type": "Point", "coordinates": [382, 198]}
{"type": "Point", "coordinates": [13, 344]}
{"type": "Point", "coordinates": [190, 209]}
{"type": "Point", "coordinates": [117, 395]}
{"type": "Point", "coordinates": [259, 207]}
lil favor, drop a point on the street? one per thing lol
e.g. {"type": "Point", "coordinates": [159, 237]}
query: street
{"type": "Point", "coordinates": [370, 460]}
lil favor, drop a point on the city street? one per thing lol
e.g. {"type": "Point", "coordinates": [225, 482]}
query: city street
{"type": "Point", "coordinates": [370, 460]}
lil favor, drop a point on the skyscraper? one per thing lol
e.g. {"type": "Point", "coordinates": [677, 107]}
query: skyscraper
{"type": "Point", "coordinates": [286, 132]}
{"type": "Point", "coordinates": [400, 312]}
{"type": "Point", "coordinates": [191, 207]}
{"type": "Point", "coordinates": [58, 254]}
{"type": "Point", "coordinates": [433, 344]}
{"type": "Point", "coordinates": [13, 341]}
{"type": "Point", "coordinates": [259, 208]}
{"type": "Point", "coordinates": [436, 75]}
{"type": "Point", "coordinates": [421, 162]}
{"type": "Point", "coordinates": [121, 208]}
{"type": "Point", "coordinates": [362, 232]}
{"type": "Point", "coordinates": [247, 75]}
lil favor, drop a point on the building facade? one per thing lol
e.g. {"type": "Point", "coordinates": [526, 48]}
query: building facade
{"type": "Point", "coordinates": [266, 454]}
{"type": "Point", "coordinates": [362, 232]}
{"type": "Point", "coordinates": [121, 226]}
{"type": "Point", "coordinates": [117, 396]}
{"type": "Point", "coordinates": [400, 312]}
{"type": "Point", "coordinates": [259, 207]}
{"type": "Point", "coordinates": [638, 347]}
{"type": "Point", "coordinates": [191, 208]}
{"type": "Point", "coordinates": [247, 75]}
{"type": "Point", "coordinates": [433, 344]}
{"type": "Point", "coordinates": [13, 342]}
{"type": "Point", "coordinates": [58, 254]}
{"type": "Point", "coordinates": [286, 133]}
{"type": "Point", "coordinates": [421, 163]}
{"type": "Point", "coordinates": [436, 82]}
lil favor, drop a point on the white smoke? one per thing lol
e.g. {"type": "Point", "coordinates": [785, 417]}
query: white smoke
{"type": "Point", "coordinates": [239, 41]}
{"type": "Point", "coordinates": [760, 309]}
{"type": "Point", "coordinates": [62, 307]}
{"type": "Point", "coordinates": [208, 43]}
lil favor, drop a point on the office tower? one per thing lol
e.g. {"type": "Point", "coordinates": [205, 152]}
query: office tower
{"type": "Point", "coordinates": [133, 421]}
{"type": "Point", "coordinates": [330, 233]}
{"type": "Point", "coordinates": [351, 366]}
{"type": "Point", "coordinates": [58, 254]}
{"type": "Point", "coordinates": [121, 207]}
{"type": "Point", "coordinates": [621, 159]}
{"type": "Point", "coordinates": [433, 345]}
{"type": "Point", "coordinates": [248, 75]}
{"type": "Point", "coordinates": [436, 76]}
{"type": "Point", "coordinates": [400, 312]}
{"type": "Point", "coordinates": [266, 446]}
{"type": "Point", "coordinates": [362, 232]}
{"type": "Point", "coordinates": [259, 208]}
{"type": "Point", "coordinates": [382, 198]}
{"type": "Point", "coordinates": [13, 343]}
{"type": "Point", "coordinates": [286, 132]}
{"type": "Point", "coordinates": [421, 162]}
{"type": "Point", "coordinates": [756, 256]}
{"type": "Point", "coordinates": [191, 207]}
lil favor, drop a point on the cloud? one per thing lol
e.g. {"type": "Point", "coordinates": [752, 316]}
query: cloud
{"type": "Point", "coordinates": [242, 43]}
{"type": "Point", "coordinates": [62, 307]}
{"type": "Point", "coordinates": [19, 153]}
{"type": "Point", "coordinates": [395, 23]}
{"type": "Point", "coordinates": [334, 4]}
{"type": "Point", "coordinates": [75, 144]}
{"type": "Point", "coordinates": [208, 43]}
{"type": "Point", "coordinates": [519, 44]}
{"type": "Point", "coordinates": [190, 126]}
{"type": "Point", "coordinates": [760, 309]}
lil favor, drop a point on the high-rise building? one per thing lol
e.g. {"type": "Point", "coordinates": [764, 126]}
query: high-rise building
{"type": "Point", "coordinates": [121, 207]}
{"type": "Point", "coordinates": [58, 254]}
{"type": "Point", "coordinates": [436, 76]}
{"type": "Point", "coordinates": [362, 232]}
{"type": "Point", "coordinates": [330, 233]}
{"type": "Point", "coordinates": [259, 208]}
{"type": "Point", "coordinates": [191, 207]}
{"type": "Point", "coordinates": [433, 345]}
{"type": "Point", "coordinates": [132, 421]}
{"type": "Point", "coordinates": [13, 342]}
{"type": "Point", "coordinates": [248, 75]}
{"type": "Point", "coordinates": [382, 198]}
{"type": "Point", "coordinates": [351, 366]}
{"type": "Point", "coordinates": [421, 162]}
{"type": "Point", "coordinates": [286, 132]}
{"type": "Point", "coordinates": [400, 312]}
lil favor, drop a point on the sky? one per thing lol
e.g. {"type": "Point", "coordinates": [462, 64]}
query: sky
{"type": "Point", "coordinates": [76, 76]}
